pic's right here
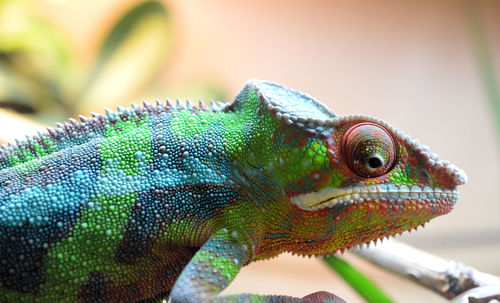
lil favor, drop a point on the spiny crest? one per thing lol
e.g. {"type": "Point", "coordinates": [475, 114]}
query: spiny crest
{"type": "Point", "coordinates": [74, 132]}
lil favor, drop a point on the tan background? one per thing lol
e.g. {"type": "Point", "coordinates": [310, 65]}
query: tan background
{"type": "Point", "coordinates": [407, 62]}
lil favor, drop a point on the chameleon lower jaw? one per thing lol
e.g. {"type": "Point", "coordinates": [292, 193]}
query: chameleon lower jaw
{"type": "Point", "coordinates": [331, 197]}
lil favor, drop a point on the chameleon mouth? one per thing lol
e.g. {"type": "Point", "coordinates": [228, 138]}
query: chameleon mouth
{"type": "Point", "coordinates": [331, 197]}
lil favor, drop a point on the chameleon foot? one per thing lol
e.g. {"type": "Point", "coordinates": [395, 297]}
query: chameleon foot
{"type": "Point", "coordinates": [322, 297]}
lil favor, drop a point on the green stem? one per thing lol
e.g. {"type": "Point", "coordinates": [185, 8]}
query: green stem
{"type": "Point", "coordinates": [364, 286]}
{"type": "Point", "coordinates": [484, 60]}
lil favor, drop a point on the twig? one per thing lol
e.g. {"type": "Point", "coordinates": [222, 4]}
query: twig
{"type": "Point", "coordinates": [447, 278]}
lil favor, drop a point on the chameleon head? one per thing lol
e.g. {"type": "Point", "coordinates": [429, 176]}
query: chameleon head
{"type": "Point", "coordinates": [374, 161]}
{"type": "Point", "coordinates": [354, 179]}
{"type": "Point", "coordinates": [379, 182]}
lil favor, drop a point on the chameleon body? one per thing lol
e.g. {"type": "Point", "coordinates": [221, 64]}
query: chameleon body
{"type": "Point", "coordinates": [170, 200]}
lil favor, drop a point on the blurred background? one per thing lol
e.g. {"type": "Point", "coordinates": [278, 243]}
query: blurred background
{"type": "Point", "coordinates": [427, 67]}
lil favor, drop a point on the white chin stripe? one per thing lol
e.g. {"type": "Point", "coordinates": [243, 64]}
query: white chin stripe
{"type": "Point", "coordinates": [330, 197]}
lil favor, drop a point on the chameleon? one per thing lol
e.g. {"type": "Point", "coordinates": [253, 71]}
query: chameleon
{"type": "Point", "coordinates": [168, 200]}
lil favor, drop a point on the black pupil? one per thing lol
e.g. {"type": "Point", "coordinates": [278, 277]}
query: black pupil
{"type": "Point", "coordinates": [374, 162]}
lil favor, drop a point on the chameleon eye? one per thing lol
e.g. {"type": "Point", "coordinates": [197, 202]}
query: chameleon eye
{"type": "Point", "coordinates": [368, 150]}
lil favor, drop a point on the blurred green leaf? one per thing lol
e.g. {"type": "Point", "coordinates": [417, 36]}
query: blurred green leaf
{"type": "Point", "coordinates": [15, 93]}
{"type": "Point", "coordinates": [484, 59]}
{"type": "Point", "coordinates": [126, 26]}
{"type": "Point", "coordinates": [23, 30]}
{"type": "Point", "coordinates": [131, 56]}
{"type": "Point", "coordinates": [364, 286]}
{"type": "Point", "coordinates": [35, 60]}
{"type": "Point", "coordinates": [42, 77]}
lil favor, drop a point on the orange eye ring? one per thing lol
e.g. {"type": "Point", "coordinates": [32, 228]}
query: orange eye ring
{"type": "Point", "coordinates": [368, 149]}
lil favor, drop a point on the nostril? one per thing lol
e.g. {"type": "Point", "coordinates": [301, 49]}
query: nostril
{"type": "Point", "coordinates": [460, 177]}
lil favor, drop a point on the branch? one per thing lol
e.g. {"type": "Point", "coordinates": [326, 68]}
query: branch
{"type": "Point", "coordinates": [447, 278]}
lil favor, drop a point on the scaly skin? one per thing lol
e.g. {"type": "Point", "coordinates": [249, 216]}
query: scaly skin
{"type": "Point", "coordinates": [143, 203]}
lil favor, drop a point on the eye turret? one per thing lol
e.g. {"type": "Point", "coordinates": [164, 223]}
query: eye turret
{"type": "Point", "coordinates": [368, 149]}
